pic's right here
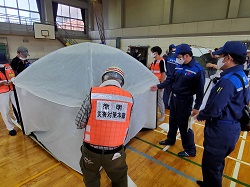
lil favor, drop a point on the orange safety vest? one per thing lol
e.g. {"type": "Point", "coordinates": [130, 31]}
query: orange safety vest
{"type": "Point", "coordinates": [9, 73]}
{"type": "Point", "coordinates": [109, 117]}
{"type": "Point", "coordinates": [155, 68]}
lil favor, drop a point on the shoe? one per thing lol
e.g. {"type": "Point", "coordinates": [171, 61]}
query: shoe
{"type": "Point", "coordinates": [185, 154]}
{"type": "Point", "coordinates": [12, 132]}
{"type": "Point", "coordinates": [200, 183]}
{"type": "Point", "coordinates": [165, 142]}
{"type": "Point", "coordinates": [161, 118]}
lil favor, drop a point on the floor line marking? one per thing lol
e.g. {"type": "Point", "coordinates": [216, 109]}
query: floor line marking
{"type": "Point", "coordinates": [235, 159]}
{"type": "Point", "coordinates": [37, 175]}
{"type": "Point", "coordinates": [239, 157]}
{"type": "Point", "coordinates": [162, 164]}
{"type": "Point", "coordinates": [166, 148]}
{"type": "Point", "coordinates": [195, 163]}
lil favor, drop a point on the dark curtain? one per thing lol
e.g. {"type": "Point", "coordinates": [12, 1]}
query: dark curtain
{"type": "Point", "coordinates": [54, 8]}
{"type": "Point", "coordinates": [38, 2]}
{"type": "Point", "coordinates": [84, 20]}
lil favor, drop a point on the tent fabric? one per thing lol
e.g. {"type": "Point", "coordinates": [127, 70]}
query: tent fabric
{"type": "Point", "coordinates": [52, 89]}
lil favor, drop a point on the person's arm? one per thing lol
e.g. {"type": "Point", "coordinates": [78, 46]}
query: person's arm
{"type": "Point", "coordinates": [220, 95]}
{"type": "Point", "coordinates": [200, 89]}
{"type": "Point", "coordinates": [170, 80]}
{"type": "Point", "coordinates": [210, 65]}
{"type": "Point", "coordinates": [83, 114]}
{"type": "Point", "coordinates": [4, 83]}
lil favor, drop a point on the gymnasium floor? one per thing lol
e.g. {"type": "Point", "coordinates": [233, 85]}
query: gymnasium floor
{"type": "Point", "coordinates": [24, 163]}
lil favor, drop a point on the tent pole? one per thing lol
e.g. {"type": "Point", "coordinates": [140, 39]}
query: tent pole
{"type": "Point", "coordinates": [18, 109]}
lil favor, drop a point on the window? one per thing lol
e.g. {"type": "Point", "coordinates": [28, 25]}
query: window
{"type": "Point", "coordinates": [1, 2]}
{"type": "Point", "coordinates": [23, 4]}
{"type": "Point", "coordinates": [65, 11]}
{"type": "Point", "coordinates": [2, 14]}
{"type": "Point", "coordinates": [33, 5]}
{"type": "Point", "coordinates": [11, 3]}
{"type": "Point", "coordinates": [12, 16]}
{"type": "Point", "coordinates": [19, 11]}
{"type": "Point", "coordinates": [69, 18]}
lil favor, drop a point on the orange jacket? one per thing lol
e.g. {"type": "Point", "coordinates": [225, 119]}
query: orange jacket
{"type": "Point", "coordinates": [109, 117]}
{"type": "Point", "coordinates": [9, 73]}
{"type": "Point", "coordinates": [155, 68]}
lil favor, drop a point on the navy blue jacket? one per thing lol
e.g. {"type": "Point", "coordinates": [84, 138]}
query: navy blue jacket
{"type": "Point", "coordinates": [226, 99]}
{"type": "Point", "coordinates": [187, 80]}
{"type": "Point", "coordinates": [171, 64]}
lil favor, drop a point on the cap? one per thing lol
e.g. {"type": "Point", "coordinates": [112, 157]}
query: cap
{"type": "Point", "coordinates": [23, 50]}
{"type": "Point", "coordinates": [172, 46]}
{"type": "Point", "coordinates": [234, 47]}
{"type": "Point", "coordinates": [182, 48]}
{"type": "Point", "coordinates": [3, 59]}
{"type": "Point", "coordinates": [114, 72]}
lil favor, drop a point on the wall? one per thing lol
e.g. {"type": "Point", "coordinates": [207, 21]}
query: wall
{"type": "Point", "coordinates": [244, 9]}
{"type": "Point", "coordinates": [199, 10]}
{"type": "Point", "coordinates": [144, 13]}
{"type": "Point", "coordinates": [162, 22]}
{"type": "Point", "coordinates": [111, 19]}
{"type": "Point", "coordinates": [209, 42]}
{"type": "Point", "coordinates": [37, 47]}
{"type": "Point", "coordinates": [237, 26]}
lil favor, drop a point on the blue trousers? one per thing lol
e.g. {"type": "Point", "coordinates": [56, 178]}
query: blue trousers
{"type": "Point", "coordinates": [180, 110]}
{"type": "Point", "coordinates": [166, 95]}
{"type": "Point", "coordinates": [220, 138]}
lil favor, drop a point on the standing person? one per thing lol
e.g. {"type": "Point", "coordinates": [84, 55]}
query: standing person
{"type": "Point", "coordinates": [187, 80]}
{"type": "Point", "coordinates": [222, 111]}
{"type": "Point", "coordinates": [6, 93]}
{"type": "Point", "coordinates": [159, 70]}
{"type": "Point", "coordinates": [137, 54]}
{"type": "Point", "coordinates": [105, 115]}
{"type": "Point", "coordinates": [20, 62]}
{"type": "Point", "coordinates": [165, 56]}
{"type": "Point", "coordinates": [247, 64]}
{"type": "Point", "coordinates": [129, 51]}
{"type": "Point", "coordinates": [170, 65]}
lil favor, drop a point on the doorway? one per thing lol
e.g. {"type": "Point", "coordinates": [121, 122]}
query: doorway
{"type": "Point", "coordinates": [140, 53]}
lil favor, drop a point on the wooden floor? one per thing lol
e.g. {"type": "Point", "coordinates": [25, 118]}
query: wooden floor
{"type": "Point", "coordinates": [24, 163]}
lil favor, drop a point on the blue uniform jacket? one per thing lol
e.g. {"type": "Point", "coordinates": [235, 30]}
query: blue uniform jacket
{"type": "Point", "coordinates": [187, 80]}
{"type": "Point", "coordinates": [226, 99]}
{"type": "Point", "coordinates": [171, 64]}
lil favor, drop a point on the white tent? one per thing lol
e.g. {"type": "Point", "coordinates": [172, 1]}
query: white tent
{"type": "Point", "coordinates": [52, 89]}
{"type": "Point", "coordinates": [198, 51]}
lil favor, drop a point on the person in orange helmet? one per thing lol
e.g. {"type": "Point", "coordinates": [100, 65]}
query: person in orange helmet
{"type": "Point", "coordinates": [105, 116]}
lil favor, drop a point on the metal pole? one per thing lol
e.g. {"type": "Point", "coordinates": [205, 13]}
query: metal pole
{"type": "Point", "coordinates": [18, 109]}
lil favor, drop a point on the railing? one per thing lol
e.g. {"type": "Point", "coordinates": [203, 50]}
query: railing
{"type": "Point", "coordinates": [64, 37]}
{"type": "Point", "coordinates": [70, 23]}
{"type": "Point", "coordinates": [18, 19]}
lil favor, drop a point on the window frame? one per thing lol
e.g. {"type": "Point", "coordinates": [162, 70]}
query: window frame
{"type": "Point", "coordinates": [18, 19]}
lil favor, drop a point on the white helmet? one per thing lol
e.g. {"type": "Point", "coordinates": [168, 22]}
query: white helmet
{"type": "Point", "coordinates": [114, 73]}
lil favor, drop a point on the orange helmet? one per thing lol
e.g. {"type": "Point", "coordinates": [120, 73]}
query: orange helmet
{"type": "Point", "coordinates": [114, 73]}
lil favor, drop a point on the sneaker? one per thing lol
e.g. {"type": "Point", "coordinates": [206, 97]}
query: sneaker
{"type": "Point", "coordinates": [161, 118]}
{"type": "Point", "coordinates": [12, 132]}
{"type": "Point", "coordinates": [185, 154]}
{"type": "Point", "coordinates": [200, 183]}
{"type": "Point", "coordinates": [165, 142]}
